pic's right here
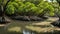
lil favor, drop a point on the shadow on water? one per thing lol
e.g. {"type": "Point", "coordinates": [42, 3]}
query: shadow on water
{"type": "Point", "coordinates": [2, 30]}
{"type": "Point", "coordinates": [13, 33]}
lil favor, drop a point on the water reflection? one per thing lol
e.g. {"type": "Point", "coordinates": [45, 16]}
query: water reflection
{"type": "Point", "coordinates": [24, 30]}
{"type": "Point", "coordinates": [32, 32]}
{"type": "Point", "coordinates": [28, 32]}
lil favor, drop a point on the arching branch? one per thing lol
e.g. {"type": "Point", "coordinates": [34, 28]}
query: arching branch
{"type": "Point", "coordinates": [6, 4]}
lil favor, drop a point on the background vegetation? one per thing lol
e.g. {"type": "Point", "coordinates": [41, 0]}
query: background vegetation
{"type": "Point", "coordinates": [30, 7]}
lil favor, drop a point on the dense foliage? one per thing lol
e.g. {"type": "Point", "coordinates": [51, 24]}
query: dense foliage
{"type": "Point", "coordinates": [45, 7]}
{"type": "Point", "coordinates": [29, 7]}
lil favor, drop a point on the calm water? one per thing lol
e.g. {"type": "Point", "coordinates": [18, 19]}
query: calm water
{"type": "Point", "coordinates": [27, 31]}
{"type": "Point", "coordinates": [32, 32]}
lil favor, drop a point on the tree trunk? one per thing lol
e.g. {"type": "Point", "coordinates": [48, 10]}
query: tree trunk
{"type": "Point", "coordinates": [2, 14]}
{"type": "Point", "coordinates": [3, 8]}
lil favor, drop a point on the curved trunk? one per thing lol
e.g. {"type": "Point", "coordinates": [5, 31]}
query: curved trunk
{"type": "Point", "coordinates": [3, 8]}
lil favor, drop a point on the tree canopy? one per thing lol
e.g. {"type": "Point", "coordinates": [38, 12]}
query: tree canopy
{"type": "Point", "coordinates": [29, 7]}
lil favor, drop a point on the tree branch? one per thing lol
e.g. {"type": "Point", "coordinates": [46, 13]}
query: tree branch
{"type": "Point", "coordinates": [6, 4]}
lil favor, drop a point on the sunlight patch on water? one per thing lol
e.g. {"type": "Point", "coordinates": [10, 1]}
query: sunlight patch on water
{"type": "Point", "coordinates": [15, 29]}
{"type": "Point", "coordinates": [39, 29]}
